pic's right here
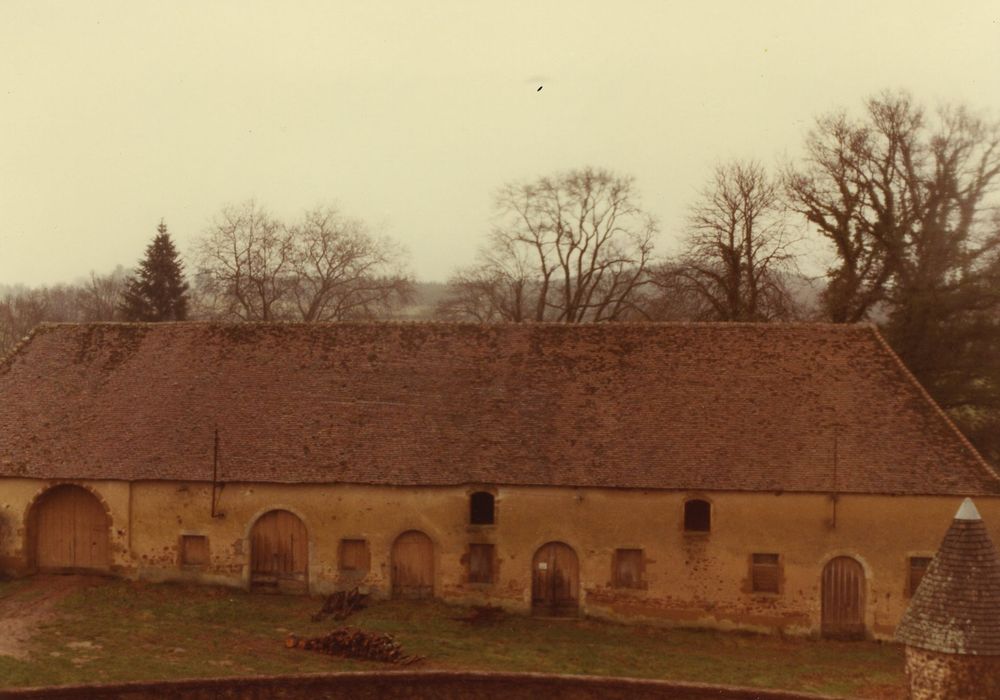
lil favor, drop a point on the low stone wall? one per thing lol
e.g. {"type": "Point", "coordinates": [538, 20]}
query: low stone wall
{"type": "Point", "coordinates": [936, 676]}
{"type": "Point", "coordinates": [412, 685]}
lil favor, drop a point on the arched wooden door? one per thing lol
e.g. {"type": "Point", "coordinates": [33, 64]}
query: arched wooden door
{"type": "Point", "coordinates": [843, 599]}
{"type": "Point", "coordinates": [70, 531]}
{"type": "Point", "coordinates": [555, 580]}
{"type": "Point", "coordinates": [413, 566]}
{"type": "Point", "coordinates": [279, 553]}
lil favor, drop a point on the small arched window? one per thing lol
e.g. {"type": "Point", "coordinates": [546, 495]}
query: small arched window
{"type": "Point", "coordinates": [697, 515]}
{"type": "Point", "coordinates": [481, 508]}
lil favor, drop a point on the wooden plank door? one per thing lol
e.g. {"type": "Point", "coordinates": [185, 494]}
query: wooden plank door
{"type": "Point", "coordinates": [843, 597]}
{"type": "Point", "coordinates": [71, 531]}
{"type": "Point", "coordinates": [413, 565]}
{"type": "Point", "coordinates": [279, 552]}
{"type": "Point", "coordinates": [555, 580]}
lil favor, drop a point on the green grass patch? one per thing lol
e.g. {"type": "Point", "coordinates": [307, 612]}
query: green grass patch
{"type": "Point", "coordinates": [123, 631]}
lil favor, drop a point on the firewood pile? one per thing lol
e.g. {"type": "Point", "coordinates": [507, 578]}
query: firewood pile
{"type": "Point", "coordinates": [354, 643]}
{"type": "Point", "coordinates": [341, 604]}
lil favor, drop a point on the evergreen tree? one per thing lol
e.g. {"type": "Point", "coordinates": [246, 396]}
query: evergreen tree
{"type": "Point", "coordinates": [157, 291]}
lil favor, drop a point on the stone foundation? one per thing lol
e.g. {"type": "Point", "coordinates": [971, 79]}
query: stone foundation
{"type": "Point", "coordinates": [933, 675]}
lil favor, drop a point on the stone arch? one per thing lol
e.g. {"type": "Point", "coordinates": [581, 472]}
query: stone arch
{"type": "Point", "coordinates": [68, 529]}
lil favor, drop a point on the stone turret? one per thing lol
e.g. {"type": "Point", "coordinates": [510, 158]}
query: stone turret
{"type": "Point", "coordinates": [952, 628]}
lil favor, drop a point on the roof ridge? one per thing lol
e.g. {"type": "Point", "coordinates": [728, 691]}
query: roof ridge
{"type": "Point", "coordinates": [914, 382]}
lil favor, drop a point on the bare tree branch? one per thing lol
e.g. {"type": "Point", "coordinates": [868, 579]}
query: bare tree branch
{"type": "Point", "coordinates": [572, 248]}
{"type": "Point", "coordinates": [738, 252]}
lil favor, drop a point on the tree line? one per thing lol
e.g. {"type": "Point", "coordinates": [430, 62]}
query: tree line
{"type": "Point", "coordinates": [902, 199]}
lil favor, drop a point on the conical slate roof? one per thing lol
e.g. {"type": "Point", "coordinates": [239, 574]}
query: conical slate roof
{"type": "Point", "coordinates": [956, 609]}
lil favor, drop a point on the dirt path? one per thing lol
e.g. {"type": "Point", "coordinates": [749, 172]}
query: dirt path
{"type": "Point", "coordinates": [31, 602]}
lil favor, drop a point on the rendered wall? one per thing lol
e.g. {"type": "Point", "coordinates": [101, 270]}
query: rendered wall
{"type": "Point", "coordinates": [695, 579]}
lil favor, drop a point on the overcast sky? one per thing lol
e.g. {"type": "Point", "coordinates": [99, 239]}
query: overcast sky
{"type": "Point", "coordinates": [410, 115]}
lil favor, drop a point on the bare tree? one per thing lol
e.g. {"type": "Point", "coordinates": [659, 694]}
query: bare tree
{"type": "Point", "coordinates": [101, 295]}
{"type": "Point", "coordinates": [485, 293]}
{"type": "Point", "coordinates": [20, 311]}
{"type": "Point", "coordinates": [253, 267]}
{"type": "Point", "coordinates": [852, 189]}
{"type": "Point", "coordinates": [244, 263]}
{"type": "Point", "coordinates": [342, 271]}
{"type": "Point", "coordinates": [909, 202]}
{"type": "Point", "coordinates": [569, 248]}
{"type": "Point", "coordinates": [738, 253]}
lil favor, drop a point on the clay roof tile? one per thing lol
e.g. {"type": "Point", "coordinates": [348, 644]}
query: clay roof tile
{"type": "Point", "coordinates": [751, 407]}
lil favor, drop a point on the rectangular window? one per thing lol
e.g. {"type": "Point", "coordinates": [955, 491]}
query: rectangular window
{"type": "Point", "coordinates": [481, 508]}
{"type": "Point", "coordinates": [765, 573]}
{"type": "Point", "coordinates": [353, 555]}
{"type": "Point", "coordinates": [918, 567]}
{"type": "Point", "coordinates": [628, 565]}
{"type": "Point", "coordinates": [194, 550]}
{"type": "Point", "coordinates": [480, 563]}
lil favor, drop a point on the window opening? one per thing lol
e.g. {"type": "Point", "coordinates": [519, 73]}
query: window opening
{"type": "Point", "coordinates": [481, 508]}
{"type": "Point", "coordinates": [697, 516]}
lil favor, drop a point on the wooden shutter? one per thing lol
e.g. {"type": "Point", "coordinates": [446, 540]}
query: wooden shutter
{"type": "Point", "coordinates": [628, 565]}
{"type": "Point", "coordinates": [194, 550]}
{"type": "Point", "coordinates": [481, 563]}
{"type": "Point", "coordinates": [354, 555]}
{"type": "Point", "coordinates": [765, 573]}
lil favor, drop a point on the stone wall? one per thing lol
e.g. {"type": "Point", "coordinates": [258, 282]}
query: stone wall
{"type": "Point", "coordinates": [429, 685]}
{"type": "Point", "coordinates": [936, 676]}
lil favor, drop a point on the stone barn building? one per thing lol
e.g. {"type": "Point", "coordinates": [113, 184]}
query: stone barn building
{"type": "Point", "coordinates": [768, 477]}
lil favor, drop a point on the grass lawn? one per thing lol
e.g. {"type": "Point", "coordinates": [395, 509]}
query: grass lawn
{"type": "Point", "coordinates": [120, 630]}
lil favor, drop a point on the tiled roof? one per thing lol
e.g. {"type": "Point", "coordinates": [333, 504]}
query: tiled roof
{"type": "Point", "coordinates": [956, 609]}
{"type": "Point", "coordinates": [748, 407]}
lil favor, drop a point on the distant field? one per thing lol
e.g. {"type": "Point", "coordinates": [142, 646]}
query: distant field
{"type": "Point", "coordinates": [78, 630]}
